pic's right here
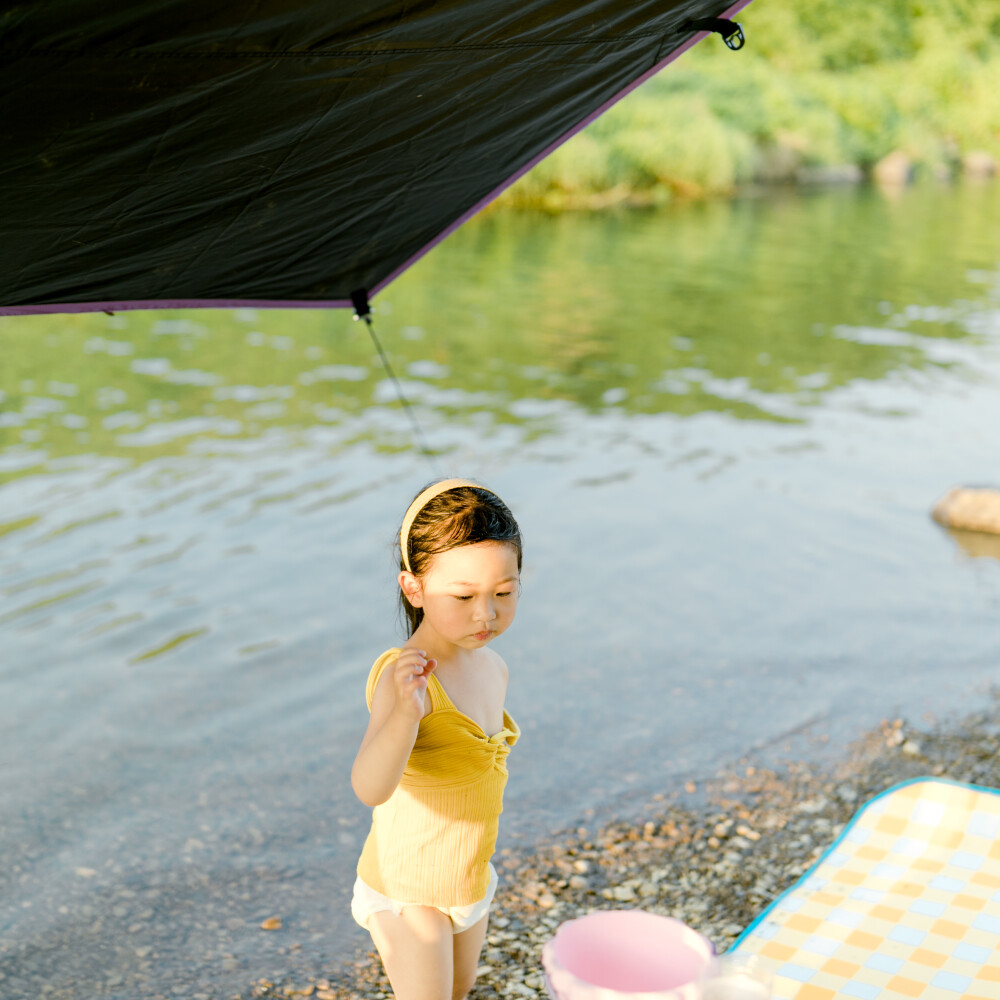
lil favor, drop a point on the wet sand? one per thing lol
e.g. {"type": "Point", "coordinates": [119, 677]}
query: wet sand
{"type": "Point", "coordinates": [713, 857]}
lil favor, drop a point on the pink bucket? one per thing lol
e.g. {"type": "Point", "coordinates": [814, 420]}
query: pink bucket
{"type": "Point", "coordinates": [625, 955]}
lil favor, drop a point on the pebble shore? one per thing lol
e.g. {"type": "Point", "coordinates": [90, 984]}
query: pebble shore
{"type": "Point", "coordinates": [713, 857]}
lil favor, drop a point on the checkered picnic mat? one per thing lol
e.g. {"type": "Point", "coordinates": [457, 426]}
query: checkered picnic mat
{"type": "Point", "coordinates": [904, 905]}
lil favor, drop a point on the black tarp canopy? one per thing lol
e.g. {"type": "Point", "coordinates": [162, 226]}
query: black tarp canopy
{"type": "Point", "coordinates": [273, 152]}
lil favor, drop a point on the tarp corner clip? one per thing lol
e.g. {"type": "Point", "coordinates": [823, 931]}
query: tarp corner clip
{"type": "Point", "coordinates": [362, 307]}
{"type": "Point", "coordinates": [731, 31]}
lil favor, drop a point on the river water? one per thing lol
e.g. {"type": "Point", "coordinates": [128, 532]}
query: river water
{"type": "Point", "coordinates": [722, 427]}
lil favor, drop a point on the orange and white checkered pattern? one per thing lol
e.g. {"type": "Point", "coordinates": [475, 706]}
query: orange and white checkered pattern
{"type": "Point", "coordinates": [904, 906]}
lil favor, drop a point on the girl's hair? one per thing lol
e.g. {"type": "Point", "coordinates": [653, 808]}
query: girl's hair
{"type": "Point", "coordinates": [462, 515]}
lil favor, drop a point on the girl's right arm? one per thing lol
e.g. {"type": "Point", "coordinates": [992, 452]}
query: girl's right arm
{"type": "Point", "coordinates": [397, 708]}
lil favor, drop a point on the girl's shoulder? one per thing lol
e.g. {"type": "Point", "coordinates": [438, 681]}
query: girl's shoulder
{"type": "Point", "coordinates": [498, 662]}
{"type": "Point", "coordinates": [389, 656]}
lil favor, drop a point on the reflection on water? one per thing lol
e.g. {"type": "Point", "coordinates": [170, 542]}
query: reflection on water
{"type": "Point", "coordinates": [721, 426]}
{"type": "Point", "coordinates": [755, 309]}
{"type": "Point", "coordinates": [976, 544]}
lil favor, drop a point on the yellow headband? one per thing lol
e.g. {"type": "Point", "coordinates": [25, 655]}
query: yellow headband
{"type": "Point", "coordinates": [418, 505]}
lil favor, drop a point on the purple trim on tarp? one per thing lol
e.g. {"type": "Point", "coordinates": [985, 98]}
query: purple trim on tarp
{"type": "Point", "coordinates": [83, 307]}
{"type": "Point", "coordinates": [483, 202]}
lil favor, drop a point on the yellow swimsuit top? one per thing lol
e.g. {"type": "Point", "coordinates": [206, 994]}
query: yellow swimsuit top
{"type": "Point", "coordinates": [431, 841]}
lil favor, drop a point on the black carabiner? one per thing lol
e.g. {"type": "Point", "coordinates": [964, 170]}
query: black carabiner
{"type": "Point", "coordinates": [731, 31]}
{"type": "Point", "coordinates": [735, 40]}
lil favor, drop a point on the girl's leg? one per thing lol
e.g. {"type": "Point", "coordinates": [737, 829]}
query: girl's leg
{"type": "Point", "coordinates": [416, 950]}
{"type": "Point", "coordinates": [467, 947]}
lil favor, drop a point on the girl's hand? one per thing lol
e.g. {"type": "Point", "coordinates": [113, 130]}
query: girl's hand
{"type": "Point", "coordinates": [410, 676]}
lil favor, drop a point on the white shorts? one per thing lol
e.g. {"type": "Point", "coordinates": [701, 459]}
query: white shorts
{"type": "Point", "coordinates": [367, 901]}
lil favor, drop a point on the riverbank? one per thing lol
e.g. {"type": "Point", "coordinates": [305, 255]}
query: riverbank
{"type": "Point", "coordinates": [821, 93]}
{"type": "Point", "coordinates": [714, 857]}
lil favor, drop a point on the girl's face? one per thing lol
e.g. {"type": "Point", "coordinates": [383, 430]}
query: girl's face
{"type": "Point", "coordinates": [469, 593]}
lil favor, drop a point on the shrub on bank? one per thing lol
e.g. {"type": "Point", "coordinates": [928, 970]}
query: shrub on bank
{"type": "Point", "coordinates": [835, 84]}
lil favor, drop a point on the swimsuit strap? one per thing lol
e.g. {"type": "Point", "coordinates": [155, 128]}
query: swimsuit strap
{"type": "Point", "coordinates": [378, 668]}
{"type": "Point", "coordinates": [439, 697]}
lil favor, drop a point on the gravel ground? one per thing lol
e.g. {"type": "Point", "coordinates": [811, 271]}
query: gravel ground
{"type": "Point", "coordinates": [713, 857]}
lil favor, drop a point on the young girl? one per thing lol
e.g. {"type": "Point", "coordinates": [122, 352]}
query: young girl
{"type": "Point", "coordinates": [433, 759]}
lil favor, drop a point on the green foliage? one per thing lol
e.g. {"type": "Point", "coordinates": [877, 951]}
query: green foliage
{"type": "Point", "coordinates": [836, 35]}
{"type": "Point", "coordinates": [825, 84]}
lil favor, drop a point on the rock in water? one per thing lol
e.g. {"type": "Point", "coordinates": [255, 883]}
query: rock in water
{"type": "Point", "coordinates": [970, 510]}
{"type": "Point", "coordinates": [979, 163]}
{"type": "Point", "coordinates": [894, 170]}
